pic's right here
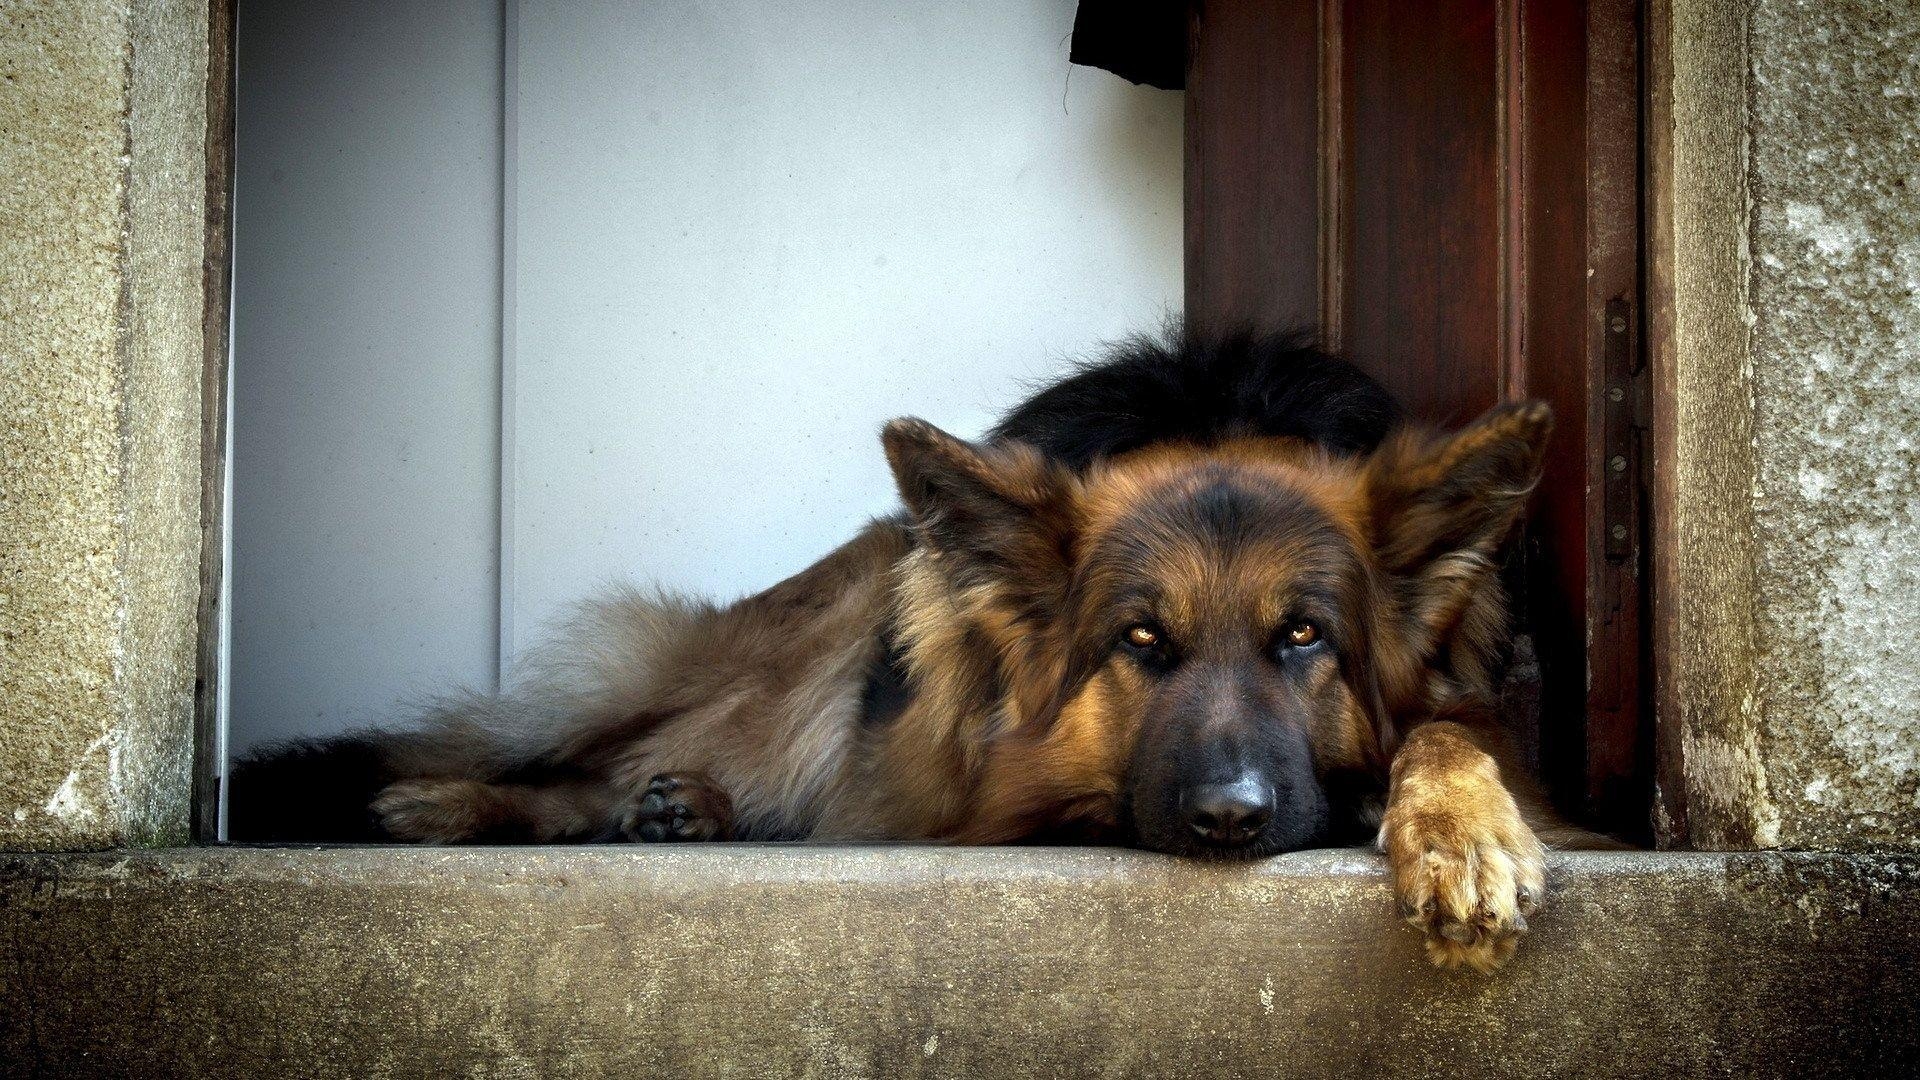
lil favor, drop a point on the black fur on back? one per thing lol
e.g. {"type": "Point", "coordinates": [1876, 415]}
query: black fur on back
{"type": "Point", "coordinates": [1197, 386]}
{"type": "Point", "coordinates": [308, 790]}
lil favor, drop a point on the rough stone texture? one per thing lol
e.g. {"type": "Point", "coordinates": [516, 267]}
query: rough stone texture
{"type": "Point", "coordinates": [1834, 173]}
{"type": "Point", "coordinates": [864, 962]}
{"type": "Point", "coordinates": [102, 188]}
{"type": "Point", "coordinates": [1794, 674]}
{"type": "Point", "coordinates": [1710, 667]}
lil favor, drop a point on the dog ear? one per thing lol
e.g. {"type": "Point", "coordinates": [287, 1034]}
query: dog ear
{"type": "Point", "coordinates": [999, 507]}
{"type": "Point", "coordinates": [999, 520]}
{"type": "Point", "coordinates": [1440, 508]}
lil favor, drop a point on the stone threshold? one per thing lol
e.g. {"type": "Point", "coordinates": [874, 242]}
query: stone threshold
{"type": "Point", "coordinates": [892, 961]}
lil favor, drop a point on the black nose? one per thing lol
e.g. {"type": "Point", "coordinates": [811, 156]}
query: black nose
{"type": "Point", "coordinates": [1230, 814]}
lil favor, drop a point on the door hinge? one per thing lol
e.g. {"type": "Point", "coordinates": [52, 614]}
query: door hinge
{"type": "Point", "coordinates": [1625, 412]}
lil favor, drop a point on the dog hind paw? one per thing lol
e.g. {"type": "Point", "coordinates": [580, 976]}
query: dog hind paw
{"type": "Point", "coordinates": [433, 811]}
{"type": "Point", "coordinates": [678, 807]}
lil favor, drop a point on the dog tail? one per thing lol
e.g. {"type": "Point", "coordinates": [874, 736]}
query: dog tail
{"type": "Point", "coordinates": [310, 791]}
{"type": "Point", "coordinates": [593, 684]}
{"type": "Point", "coordinates": [1198, 385]}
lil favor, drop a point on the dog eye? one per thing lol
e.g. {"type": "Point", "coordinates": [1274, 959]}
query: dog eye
{"type": "Point", "coordinates": [1302, 634]}
{"type": "Point", "coordinates": [1142, 637]}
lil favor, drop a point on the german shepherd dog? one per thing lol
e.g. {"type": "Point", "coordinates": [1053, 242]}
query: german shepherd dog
{"type": "Point", "coordinates": [1207, 596]}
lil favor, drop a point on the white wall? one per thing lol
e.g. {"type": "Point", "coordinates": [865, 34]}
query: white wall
{"type": "Point", "coordinates": [740, 236]}
{"type": "Point", "coordinates": [365, 359]}
{"type": "Point", "coordinates": [750, 233]}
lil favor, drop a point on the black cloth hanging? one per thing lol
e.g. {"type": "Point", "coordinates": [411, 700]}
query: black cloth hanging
{"type": "Point", "coordinates": [1142, 41]}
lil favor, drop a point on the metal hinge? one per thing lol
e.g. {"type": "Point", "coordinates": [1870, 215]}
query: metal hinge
{"type": "Point", "coordinates": [1625, 414]}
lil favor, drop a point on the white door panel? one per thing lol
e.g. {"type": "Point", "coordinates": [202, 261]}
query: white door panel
{"type": "Point", "coordinates": [365, 360]}
{"type": "Point", "coordinates": [737, 238]}
{"type": "Point", "coordinates": [749, 233]}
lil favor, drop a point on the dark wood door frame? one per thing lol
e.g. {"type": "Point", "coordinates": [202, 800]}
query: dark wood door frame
{"type": "Point", "coordinates": [217, 283]}
{"type": "Point", "coordinates": [1450, 194]}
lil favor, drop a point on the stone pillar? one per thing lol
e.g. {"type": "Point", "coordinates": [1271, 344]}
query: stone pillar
{"type": "Point", "coordinates": [103, 171]}
{"type": "Point", "coordinates": [1792, 653]}
{"type": "Point", "coordinates": [1835, 177]}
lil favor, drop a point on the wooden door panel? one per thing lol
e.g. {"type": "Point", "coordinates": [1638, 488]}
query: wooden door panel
{"type": "Point", "coordinates": [1448, 193]}
{"type": "Point", "coordinates": [1252, 174]}
{"type": "Point", "coordinates": [1420, 279]}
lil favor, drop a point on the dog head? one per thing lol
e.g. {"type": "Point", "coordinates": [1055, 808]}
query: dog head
{"type": "Point", "coordinates": [1205, 646]}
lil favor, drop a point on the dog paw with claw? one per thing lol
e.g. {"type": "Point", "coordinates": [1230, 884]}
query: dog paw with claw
{"type": "Point", "coordinates": [1467, 870]}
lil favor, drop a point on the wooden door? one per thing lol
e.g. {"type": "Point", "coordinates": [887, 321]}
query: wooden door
{"type": "Point", "coordinates": [1449, 192]}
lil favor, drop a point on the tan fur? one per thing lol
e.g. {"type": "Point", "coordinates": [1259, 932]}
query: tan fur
{"type": "Point", "coordinates": [1005, 737]}
{"type": "Point", "coordinates": [1466, 867]}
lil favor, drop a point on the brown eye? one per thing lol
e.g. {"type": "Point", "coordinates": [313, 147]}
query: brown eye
{"type": "Point", "coordinates": [1142, 637]}
{"type": "Point", "coordinates": [1302, 634]}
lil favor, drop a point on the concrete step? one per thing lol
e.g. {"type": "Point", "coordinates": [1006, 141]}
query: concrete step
{"type": "Point", "coordinates": [883, 961]}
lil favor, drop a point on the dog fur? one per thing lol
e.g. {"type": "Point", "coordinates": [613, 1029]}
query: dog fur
{"type": "Point", "coordinates": [1199, 562]}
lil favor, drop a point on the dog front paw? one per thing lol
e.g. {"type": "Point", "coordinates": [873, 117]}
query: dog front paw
{"type": "Point", "coordinates": [678, 806]}
{"type": "Point", "coordinates": [1467, 878]}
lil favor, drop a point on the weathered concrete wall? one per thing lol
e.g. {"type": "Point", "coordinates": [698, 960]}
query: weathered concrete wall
{"type": "Point", "coordinates": [102, 191]}
{"type": "Point", "coordinates": [1796, 250]}
{"type": "Point", "coordinates": [1834, 173]}
{"type": "Point", "coordinates": [894, 962]}
{"type": "Point", "coordinates": [1716, 793]}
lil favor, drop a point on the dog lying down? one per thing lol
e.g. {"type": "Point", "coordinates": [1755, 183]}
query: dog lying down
{"type": "Point", "coordinates": [1207, 596]}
